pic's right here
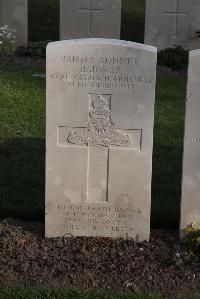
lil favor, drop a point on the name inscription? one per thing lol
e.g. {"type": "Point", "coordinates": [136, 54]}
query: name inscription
{"type": "Point", "coordinates": [102, 72]}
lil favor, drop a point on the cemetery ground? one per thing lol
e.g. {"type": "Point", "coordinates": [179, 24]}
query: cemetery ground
{"type": "Point", "coordinates": [34, 267]}
{"type": "Point", "coordinates": [163, 266]}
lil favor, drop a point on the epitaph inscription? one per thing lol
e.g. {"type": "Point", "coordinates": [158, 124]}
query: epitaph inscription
{"type": "Point", "coordinates": [103, 218]}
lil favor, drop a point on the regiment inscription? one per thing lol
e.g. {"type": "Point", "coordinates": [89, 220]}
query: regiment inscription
{"type": "Point", "coordinates": [101, 72]}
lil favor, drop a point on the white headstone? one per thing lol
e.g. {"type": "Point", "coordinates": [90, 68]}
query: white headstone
{"type": "Point", "coordinates": [14, 13]}
{"type": "Point", "coordinates": [100, 111]}
{"type": "Point", "coordinates": [90, 18]}
{"type": "Point", "coordinates": [190, 205]}
{"type": "Point", "coordinates": [172, 23]}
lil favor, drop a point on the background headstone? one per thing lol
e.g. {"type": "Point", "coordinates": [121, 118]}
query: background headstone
{"type": "Point", "coordinates": [14, 13]}
{"type": "Point", "coordinates": [100, 111]}
{"type": "Point", "coordinates": [172, 22]}
{"type": "Point", "coordinates": [190, 205]}
{"type": "Point", "coordinates": [90, 18]}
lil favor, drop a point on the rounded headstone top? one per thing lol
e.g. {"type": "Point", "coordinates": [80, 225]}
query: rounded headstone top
{"type": "Point", "coordinates": [103, 41]}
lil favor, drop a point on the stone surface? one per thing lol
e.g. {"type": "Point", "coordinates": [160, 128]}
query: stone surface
{"type": "Point", "coordinates": [100, 108]}
{"type": "Point", "coordinates": [190, 206]}
{"type": "Point", "coordinates": [15, 14]}
{"type": "Point", "coordinates": [90, 18]}
{"type": "Point", "coordinates": [172, 22]}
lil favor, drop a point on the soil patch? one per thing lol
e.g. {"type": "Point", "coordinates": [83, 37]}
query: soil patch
{"type": "Point", "coordinates": [28, 259]}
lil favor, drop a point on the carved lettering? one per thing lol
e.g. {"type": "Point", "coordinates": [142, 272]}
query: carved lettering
{"type": "Point", "coordinates": [104, 60]}
{"type": "Point", "coordinates": [101, 72]}
{"type": "Point", "coordinates": [105, 218]}
{"type": "Point", "coordinates": [196, 140]}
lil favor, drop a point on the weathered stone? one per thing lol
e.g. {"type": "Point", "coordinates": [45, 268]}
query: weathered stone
{"type": "Point", "coordinates": [172, 23]}
{"type": "Point", "coordinates": [14, 13]}
{"type": "Point", "coordinates": [100, 107]}
{"type": "Point", "coordinates": [90, 18]}
{"type": "Point", "coordinates": [190, 205]}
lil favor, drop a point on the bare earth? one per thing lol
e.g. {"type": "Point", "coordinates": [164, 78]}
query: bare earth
{"type": "Point", "coordinates": [28, 259]}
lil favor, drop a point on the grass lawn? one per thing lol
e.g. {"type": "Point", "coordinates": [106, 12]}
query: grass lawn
{"type": "Point", "coordinates": [167, 156]}
{"type": "Point", "coordinates": [22, 146]}
{"type": "Point", "coordinates": [44, 20]}
{"type": "Point", "coordinates": [18, 293]}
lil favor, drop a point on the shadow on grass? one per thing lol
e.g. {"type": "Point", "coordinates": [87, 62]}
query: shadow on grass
{"type": "Point", "coordinates": [22, 177]}
{"type": "Point", "coordinates": [166, 186]}
{"type": "Point", "coordinates": [133, 20]}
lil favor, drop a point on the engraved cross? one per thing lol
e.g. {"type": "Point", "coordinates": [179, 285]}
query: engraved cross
{"type": "Point", "coordinates": [99, 136]}
{"type": "Point", "coordinates": [176, 14]}
{"type": "Point", "coordinates": [90, 11]}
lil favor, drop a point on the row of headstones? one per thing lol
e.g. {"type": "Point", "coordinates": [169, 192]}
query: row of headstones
{"type": "Point", "coordinates": [100, 115]}
{"type": "Point", "coordinates": [168, 22]}
{"type": "Point", "coordinates": [78, 18]}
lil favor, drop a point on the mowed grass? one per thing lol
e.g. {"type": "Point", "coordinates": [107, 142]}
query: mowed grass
{"type": "Point", "coordinates": [19, 293]}
{"type": "Point", "coordinates": [39, 293]}
{"type": "Point", "coordinates": [167, 153]}
{"type": "Point", "coordinates": [22, 146]}
{"type": "Point", "coordinates": [44, 20]}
